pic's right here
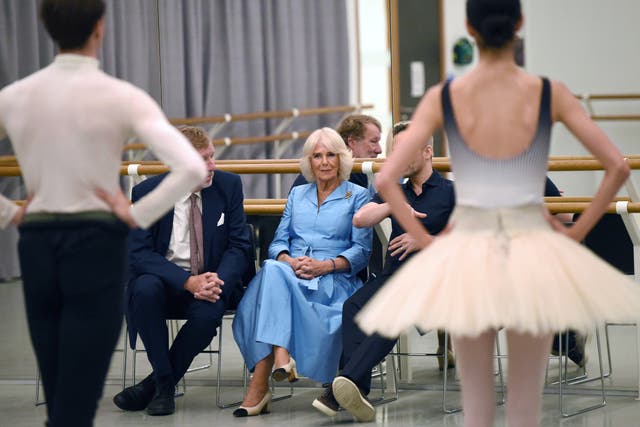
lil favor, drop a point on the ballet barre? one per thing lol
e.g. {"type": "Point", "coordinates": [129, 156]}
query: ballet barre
{"type": "Point", "coordinates": [265, 201]}
{"type": "Point", "coordinates": [293, 112]}
{"type": "Point", "coordinates": [587, 99]}
{"type": "Point", "coordinates": [608, 96]}
{"type": "Point", "coordinates": [556, 163]}
{"type": "Point", "coordinates": [276, 206]}
{"type": "Point", "coordinates": [239, 167]}
{"type": "Point", "coordinates": [235, 141]}
{"type": "Point", "coordinates": [293, 166]}
{"type": "Point", "coordinates": [280, 138]}
{"type": "Point", "coordinates": [615, 117]}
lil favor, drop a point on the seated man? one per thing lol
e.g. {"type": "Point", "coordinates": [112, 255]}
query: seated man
{"type": "Point", "coordinates": [432, 200]}
{"type": "Point", "coordinates": [188, 265]}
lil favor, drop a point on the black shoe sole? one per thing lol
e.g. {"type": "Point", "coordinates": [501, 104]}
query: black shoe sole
{"type": "Point", "coordinates": [162, 406]}
{"type": "Point", "coordinates": [160, 411]}
{"type": "Point", "coordinates": [121, 402]}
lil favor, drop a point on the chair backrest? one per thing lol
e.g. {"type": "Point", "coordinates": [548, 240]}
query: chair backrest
{"type": "Point", "coordinates": [234, 299]}
{"type": "Point", "coordinates": [610, 240]}
{"type": "Point", "coordinates": [253, 265]}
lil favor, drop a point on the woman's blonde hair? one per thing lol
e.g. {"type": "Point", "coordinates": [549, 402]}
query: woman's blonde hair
{"type": "Point", "coordinates": [334, 143]}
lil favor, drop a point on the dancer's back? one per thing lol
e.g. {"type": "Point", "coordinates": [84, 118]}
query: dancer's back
{"type": "Point", "coordinates": [492, 169]}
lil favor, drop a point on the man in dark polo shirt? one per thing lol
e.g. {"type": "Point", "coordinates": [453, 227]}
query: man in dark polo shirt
{"type": "Point", "coordinates": [432, 199]}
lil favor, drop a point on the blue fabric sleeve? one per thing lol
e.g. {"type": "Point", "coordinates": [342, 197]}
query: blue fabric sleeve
{"type": "Point", "coordinates": [281, 241]}
{"type": "Point", "coordinates": [360, 251]}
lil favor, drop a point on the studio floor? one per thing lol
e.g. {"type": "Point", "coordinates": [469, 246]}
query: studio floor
{"type": "Point", "coordinates": [419, 402]}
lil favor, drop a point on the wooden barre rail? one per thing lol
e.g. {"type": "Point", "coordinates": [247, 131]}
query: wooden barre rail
{"type": "Point", "coordinates": [239, 168]}
{"type": "Point", "coordinates": [11, 160]}
{"type": "Point", "coordinates": [276, 206]}
{"type": "Point", "coordinates": [580, 199]}
{"type": "Point", "coordinates": [554, 208]}
{"type": "Point", "coordinates": [294, 167]}
{"type": "Point", "coordinates": [265, 201]}
{"type": "Point", "coordinates": [608, 96]}
{"type": "Point", "coordinates": [282, 114]}
{"type": "Point", "coordinates": [575, 207]}
{"type": "Point", "coordinates": [615, 117]}
{"type": "Point", "coordinates": [294, 112]}
{"type": "Point", "coordinates": [234, 141]}
{"type": "Point", "coordinates": [587, 98]}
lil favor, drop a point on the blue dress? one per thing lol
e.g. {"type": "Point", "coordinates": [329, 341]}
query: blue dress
{"type": "Point", "coordinates": [305, 316]}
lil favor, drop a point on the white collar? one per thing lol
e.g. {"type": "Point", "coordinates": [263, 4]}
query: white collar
{"type": "Point", "coordinates": [75, 60]}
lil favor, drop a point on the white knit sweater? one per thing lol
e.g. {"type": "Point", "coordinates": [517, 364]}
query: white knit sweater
{"type": "Point", "coordinates": [68, 123]}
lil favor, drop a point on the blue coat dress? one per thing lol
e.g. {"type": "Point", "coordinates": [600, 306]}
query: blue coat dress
{"type": "Point", "coordinates": [305, 316]}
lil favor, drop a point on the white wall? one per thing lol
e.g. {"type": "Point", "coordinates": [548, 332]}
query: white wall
{"type": "Point", "coordinates": [592, 46]}
{"type": "Point", "coordinates": [454, 28]}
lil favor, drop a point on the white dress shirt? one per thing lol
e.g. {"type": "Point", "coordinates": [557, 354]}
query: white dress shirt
{"type": "Point", "coordinates": [179, 251]}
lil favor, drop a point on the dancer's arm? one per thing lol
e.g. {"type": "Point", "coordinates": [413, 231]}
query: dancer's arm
{"type": "Point", "coordinates": [425, 121]}
{"type": "Point", "coordinates": [150, 126]}
{"type": "Point", "coordinates": [567, 109]}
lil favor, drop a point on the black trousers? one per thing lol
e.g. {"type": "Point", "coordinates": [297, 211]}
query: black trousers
{"type": "Point", "coordinates": [73, 280]}
{"type": "Point", "coordinates": [361, 352]}
{"type": "Point", "coordinates": [152, 302]}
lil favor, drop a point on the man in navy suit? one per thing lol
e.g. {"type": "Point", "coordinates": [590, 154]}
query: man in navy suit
{"type": "Point", "coordinates": [162, 285]}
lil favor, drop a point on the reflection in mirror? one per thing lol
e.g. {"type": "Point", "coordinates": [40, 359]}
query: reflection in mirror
{"type": "Point", "coordinates": [416, 39]}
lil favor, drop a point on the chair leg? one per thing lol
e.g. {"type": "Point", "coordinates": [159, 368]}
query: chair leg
{"type": "Point", "coordinates": [124, 358]}
{"type": "Point", "coordinates": [133, 365]}
{"type": "Point", "coordinates": [219, 402]}
{"type": "Point", "coordinates": [37, 401]}
{"type": "Point", "coordinates": [564, 380]}
{"type": "Point", "coordinates": [606, 338]}
{"type": "Point", "coordinates": [445, 408]}
{"type": "Point", "coordinates": [385, 380]}
{"type": "Point", "coordinates": [500, 371]}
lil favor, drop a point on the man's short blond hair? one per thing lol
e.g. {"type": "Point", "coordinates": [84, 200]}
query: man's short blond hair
{"type": "Point", "coordinates": [198, 137]}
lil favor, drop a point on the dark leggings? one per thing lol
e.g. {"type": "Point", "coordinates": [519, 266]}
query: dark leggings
{"type": "Point", "coordinates": [73, 276]}
{"type": "Point", "coordinates": [360, 352]}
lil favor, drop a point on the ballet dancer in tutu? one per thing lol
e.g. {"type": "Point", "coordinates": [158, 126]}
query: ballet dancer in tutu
{"type": "Point", "coordinates": [505, 263]}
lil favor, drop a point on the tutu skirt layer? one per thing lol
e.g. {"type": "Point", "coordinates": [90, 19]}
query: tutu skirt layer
{"type": "Point", "coordinates": [502, 268]}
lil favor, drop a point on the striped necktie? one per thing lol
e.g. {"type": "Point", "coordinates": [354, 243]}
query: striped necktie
{"type": "Point", "coordinates": [195, 236]}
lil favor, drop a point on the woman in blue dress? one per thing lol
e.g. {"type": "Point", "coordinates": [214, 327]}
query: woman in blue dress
{"type": "Point", "coordinates": [293, 307]}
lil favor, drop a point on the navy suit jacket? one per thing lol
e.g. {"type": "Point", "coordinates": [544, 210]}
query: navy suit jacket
{"type": "Point", "coordinates": [227, 246]}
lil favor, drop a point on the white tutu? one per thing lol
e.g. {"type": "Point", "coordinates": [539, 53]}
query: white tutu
{"type": "Point", "coordinates": [501, 268]}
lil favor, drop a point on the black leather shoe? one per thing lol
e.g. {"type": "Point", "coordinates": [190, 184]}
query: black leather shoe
{"type": "Point", "coordinates": [163, 402]}
{"type": "Point", "coordinates": [137, 397]}
{"type": "Point", "coordinates": [578, 354]}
